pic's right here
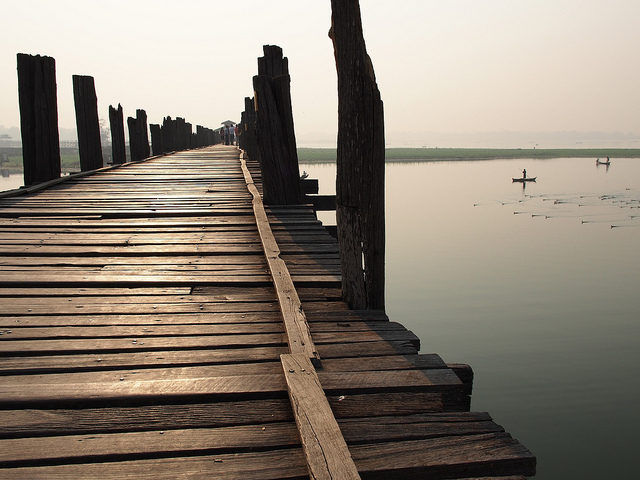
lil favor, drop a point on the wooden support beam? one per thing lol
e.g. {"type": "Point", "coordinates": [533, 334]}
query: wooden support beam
{"type": "Point", "coordinates": [38, 118]}
{"type": "Point", "coordinates": [322, 203]}
{"type": "Point", "coordinates": [295, 321]}
{"type": "Point", "coordinates": [324, 447]}
{"type": "Point", "coordinates": [118, 148]}
{"type": "Point", "coordinates": [309, 185]}
{"type": "Point", "coordinates": [87, 122]}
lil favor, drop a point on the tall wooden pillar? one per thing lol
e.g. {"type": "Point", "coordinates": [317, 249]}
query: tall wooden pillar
{"type": "Point", "coordinates": [156, 139]}
{"type": "Point", "coordinates": [275, 135]}
{"type": "Point", "coordinates": [248, 128]}
{"type": "Point", "coordinates": [116, 122]}
{"type": "Point", "coordinates": [138, 136]}
{"type": "Point", "coordinates": [38, 102]}
{"type": "Point", "coordinates": [87, 122]}
{"type": "Point", "coordinates": [360, 162]}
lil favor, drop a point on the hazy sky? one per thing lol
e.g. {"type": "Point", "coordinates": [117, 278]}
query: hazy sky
{"type": "Point", "coordinates": [451, 73]}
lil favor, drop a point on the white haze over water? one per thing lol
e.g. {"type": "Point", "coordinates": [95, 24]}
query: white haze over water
{"type": "Point", "coordinates": [457, 73]}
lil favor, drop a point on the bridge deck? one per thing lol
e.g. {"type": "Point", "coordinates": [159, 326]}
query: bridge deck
{"type": "Point", "coordinates": [140, 336]}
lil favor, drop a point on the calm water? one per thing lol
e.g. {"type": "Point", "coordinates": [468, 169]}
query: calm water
{"type": "Point", "coordinates": [11, 182]}
{"type": "Point", "coordinates": [544, 307]}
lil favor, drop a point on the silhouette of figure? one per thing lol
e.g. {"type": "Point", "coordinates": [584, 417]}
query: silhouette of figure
{"type": "Point", "coordinates": [524, 173]}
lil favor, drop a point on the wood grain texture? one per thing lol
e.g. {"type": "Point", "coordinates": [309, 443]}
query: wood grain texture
{"type": "Point", "coordinates": [360, 161]}
{"type": "Point", "coordinates": [325, 449]}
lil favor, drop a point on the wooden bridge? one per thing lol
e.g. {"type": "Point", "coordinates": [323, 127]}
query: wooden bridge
{"type": "Point", "coordinates": [150, 329]}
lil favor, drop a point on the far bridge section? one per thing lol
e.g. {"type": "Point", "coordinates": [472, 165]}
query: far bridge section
{"type": "Point", "coordinates": [142, 336]}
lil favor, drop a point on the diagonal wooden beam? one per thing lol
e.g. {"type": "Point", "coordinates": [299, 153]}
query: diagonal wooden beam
{"type": "Point", "coordinates": [295, 321]}
{"type": "Point", "coordinates": [326, 452]}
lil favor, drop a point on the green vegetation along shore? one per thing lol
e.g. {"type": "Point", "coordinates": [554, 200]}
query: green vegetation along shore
{"type": "Point", "coordinates": [328, 155]}
{"type": "Point", "coordinates": [71, 161]}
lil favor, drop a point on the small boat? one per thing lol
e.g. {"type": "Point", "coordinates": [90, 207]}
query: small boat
{"type": "Point", "coordinates": [598, 162]}
{"type": "Point", "coordinates": [529, 179]}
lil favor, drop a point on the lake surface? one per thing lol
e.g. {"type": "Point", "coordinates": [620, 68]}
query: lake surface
{"type": "Point", "coordinates": [534, 289]}
{"type": "Point", "coordinates": [15, 180]}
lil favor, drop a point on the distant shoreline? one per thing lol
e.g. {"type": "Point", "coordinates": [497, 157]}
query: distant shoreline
{"type": "Point", "coordinates": [71, 162]}
{"type": "Point", "coordinates": [328, 155]}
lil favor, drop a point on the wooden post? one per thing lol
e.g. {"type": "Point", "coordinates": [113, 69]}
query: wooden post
{"type": "Point", "coordinates": [360, 162]}
{"type": "Point", "coordinates": [138, 136]}
{"type": "Point", "coordinates": [166, 133]}
{"type": "Point", "coordinates": [248, 128]}
{"type": "Point", "coordinates": [141, 127]}
{"type": "Point", "coordinates": [156, 139]}
{"type": "Point", "coordinates": [116, 122]}
{"type": "Point", "coordinates": [181, 143]}
{"type": "Point", "coordinates": [276, 141]}
{"type": "Point", "coordinates": [188, 133]}
{"type": "Point", "coordinates": [38, 118]}
{"type": "Point", "coordinates": [87, 123]}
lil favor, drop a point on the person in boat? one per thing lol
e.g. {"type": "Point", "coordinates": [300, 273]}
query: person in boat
{"type": "Point", "coordinates": [524, 173]}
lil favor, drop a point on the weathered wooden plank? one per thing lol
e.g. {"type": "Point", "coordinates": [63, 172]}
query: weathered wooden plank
{"type": "Point", "coordinates": [277, 464]}
{"type": "Point", "coordinates": [131, 344]}
{"type": "Point", "coordinates": [111, 339]}
{"type": "Point", "coordinates": [136, 391]}
{"type": "Point", "coordinates": [155, 308]}
{"type": "Point", "coordinates": [261, 315]}
{"type": "Point", "coordinates": [271, 367]}
{"type": "Point", "coordinates": [140, 332]}
{"type": "Point", "coordinates": [349, 357]}
{"type": "Point", "coordinates": [179, 388]}
{"type": "Point", "coordinates": [324, 446]}
{"type": "Point", "coordinates": [170, 249]}
{"type": "Point", "coordinates": [19, 332]}
{"type": "Point", "coordinates": [448, 457]}
{"type": "Point", "coordinates": [107, 447]}
{"type": "Point", "coordinates": [492, 454]}
{"type": "Point", "coordinates": [60, 421]}
{"type": "Point", "coordinates": [15, 365]}
{"type": "Point", "coordinates": [101, 292]}
{"type": "Point", "coordinates": [110, 446]}
{"type": "Point", "coordinates": [224, 295]}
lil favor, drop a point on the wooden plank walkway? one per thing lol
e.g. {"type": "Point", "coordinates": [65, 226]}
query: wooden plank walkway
{"type": "Point", "coordinates": [141, 335]}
